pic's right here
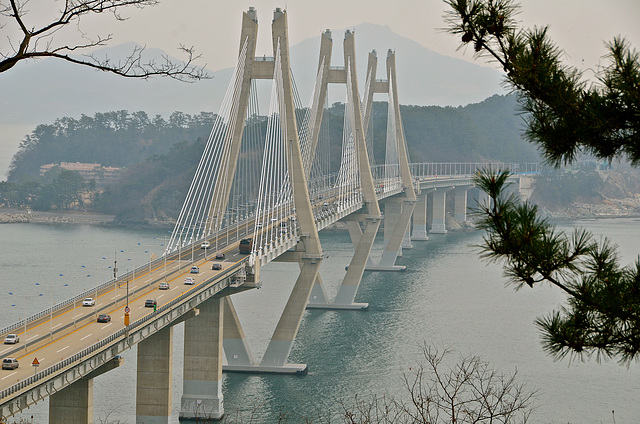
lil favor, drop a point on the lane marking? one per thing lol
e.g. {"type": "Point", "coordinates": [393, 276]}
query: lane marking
{"type": "Point", "coordinates": [88, 335]}
{"type": "Point", "coordinates": [13, 373]}
{"type": "Point", "coordinates": [62, 349]}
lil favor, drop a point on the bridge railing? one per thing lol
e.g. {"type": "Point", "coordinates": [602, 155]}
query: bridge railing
{"type": "Point", "coordinates": [97, 346]}
{"type": "Point", "coordinates": [445, 169]}
{"type": "Point", "coordinates": [75, 300]}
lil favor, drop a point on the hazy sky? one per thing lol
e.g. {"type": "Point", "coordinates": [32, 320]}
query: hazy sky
{"type": "Point", "coordinates": [579, 26]}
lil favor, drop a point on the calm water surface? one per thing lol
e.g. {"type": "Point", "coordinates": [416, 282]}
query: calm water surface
{"type": "Point", "coordinates": [447, 296]}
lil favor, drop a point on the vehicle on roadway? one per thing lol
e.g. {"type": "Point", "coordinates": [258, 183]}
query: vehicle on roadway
{"type": "Point", "coordinates": [220, 256]}
{"type": "Point", "coordinates": [10, 364]}
{"type": "Point", "coordinates": [11, 339]}
{"type": "Point", "coordinates": [189, 281]}
{"type": "Point", "coordinates": [104, 318]}
{"type": "Point", "coordinates": [89, 301]}
{"type": "Point", "coordinates": [216, 266]}
{"type": "Point", "coordinates": [163, 286]}
{"type": "Point", "coordinates": [205, 245]}
{"type": "Point", "coordinates": [150, 303]}
{"type": "Point", "coordinates": [245, 246]}
{"type": "Point", "coordinates": [195, 270]}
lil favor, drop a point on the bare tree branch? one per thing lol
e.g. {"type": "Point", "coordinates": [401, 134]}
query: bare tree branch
{"type": "Point", "coordinates": [28, 44]}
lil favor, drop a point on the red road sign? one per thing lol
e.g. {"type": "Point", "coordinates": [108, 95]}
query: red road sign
{"type": "Point", "coordinates": [35, 362]}
{"type": "Point", "coordinates": [127, 310]}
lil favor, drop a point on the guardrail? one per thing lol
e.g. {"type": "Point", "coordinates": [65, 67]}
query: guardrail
{"type": "Point", "coordinates": [120, 334]}
{"type": "Point", "coordinates": [463, 168]}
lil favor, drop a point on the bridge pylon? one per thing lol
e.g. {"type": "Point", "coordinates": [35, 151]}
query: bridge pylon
{"type": "Point", "coordinates": [397, 212]}
{"type": "Point", "coordinates": [292, 176]}
{"type": "Point", "coordinates": [371, 217]}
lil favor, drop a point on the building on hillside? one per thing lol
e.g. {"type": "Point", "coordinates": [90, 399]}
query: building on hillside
{"type": "Point", "coordinates": [103, 175]}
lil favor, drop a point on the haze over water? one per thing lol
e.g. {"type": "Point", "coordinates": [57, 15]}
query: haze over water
{"type": "Point", "coordinates": [447, 297]}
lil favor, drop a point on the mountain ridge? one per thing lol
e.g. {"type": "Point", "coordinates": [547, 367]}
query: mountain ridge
{"type": "Point", "coordinates": [41, 91]}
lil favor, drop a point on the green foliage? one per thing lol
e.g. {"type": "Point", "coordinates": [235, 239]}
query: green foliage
{"type": "Point", "coordinates": [603, 311]}
{"type": "Point", "coordinates": [565, 116]}
{"type": "Point", "coordinates": [114, 139]}
{"type": "Point", "coordinates": [58, 189]}
{"type": "Point", "coordinates": [161, 156]}
{"type": "Point", "coordinates": [490, 130]}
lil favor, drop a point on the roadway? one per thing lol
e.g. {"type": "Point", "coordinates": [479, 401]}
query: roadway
{"type": "Point", "coordinates": [112, 302]}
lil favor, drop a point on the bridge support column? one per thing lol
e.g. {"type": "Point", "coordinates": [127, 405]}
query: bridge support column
{"type": "Point", "coordinates": [406, 240]}
{"type": "Point", "coordinates": [419, 230]}
{"type": "Point", "coordinates": [236, 350]}
{"type": "Point", "coordinates": [155, 369]}
{"type": "Point", "coordinates": [363, 243]}
{"type": "Point", "coordinates": [349, 287]}
{"type": "Point", "coordinates": [202, 398]}
{"type": "Point", "coordinates": [275, 357]}
{"type": "Point", "coordinates": [73, 405]}
{"type": "Point", "coordinates": [439, 207]}
{"type": "Point", "coordinates": [397, 217]}
{"type": "Point", "coordinates": [318, 297]}
{"type": "Point", "coordinates": [460, 203]}
{"type": "Point", "coordinates": [483, 199]}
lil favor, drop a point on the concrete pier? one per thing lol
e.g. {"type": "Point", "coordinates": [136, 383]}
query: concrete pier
{"type": "Point", "coordinates": [154, 378]}
{"type": "Point", "coordinates": [438, 220]}
{"type": "Point", "coordinates": [202, 398]}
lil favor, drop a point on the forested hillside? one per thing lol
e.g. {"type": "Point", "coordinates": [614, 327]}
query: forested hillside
{"type": "Point", "coordinates": [160, 156]}
{"type": "Point", "coordinates": [116, 139]}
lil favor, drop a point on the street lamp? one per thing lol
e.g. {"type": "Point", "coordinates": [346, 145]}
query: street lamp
{"type": "Point", "coordinates": [51, 309]}
{"type": "Point", "coordinates": [25, 314]}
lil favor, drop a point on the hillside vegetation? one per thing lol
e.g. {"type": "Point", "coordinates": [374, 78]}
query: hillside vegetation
{"type": "Point", "coordinates": [160, 156]}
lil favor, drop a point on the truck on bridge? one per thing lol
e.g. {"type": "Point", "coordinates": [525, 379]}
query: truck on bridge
{"type": "Point", "coordinates": [245, 246]}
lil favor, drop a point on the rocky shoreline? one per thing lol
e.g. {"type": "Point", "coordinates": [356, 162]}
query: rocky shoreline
{"type": "Point", "coordinates": [13, 216]}
{"type": "Point", "coordinates": [609, 208]}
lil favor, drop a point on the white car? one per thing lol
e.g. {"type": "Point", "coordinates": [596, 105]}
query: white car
{"type": "Point", "coordinates": [164, 286]}
{"type": "Point", "coordinates": [11, 339]}
{"type": "Point", "coordinates": [89, 301]}
{"type": "Point", "coordinates": [205, 245]}
{"type": "Point", "coordinates": [189, 281]}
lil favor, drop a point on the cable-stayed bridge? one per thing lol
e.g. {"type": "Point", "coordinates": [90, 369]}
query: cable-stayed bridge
{"type": "Point", "coordinates": [264, 187]}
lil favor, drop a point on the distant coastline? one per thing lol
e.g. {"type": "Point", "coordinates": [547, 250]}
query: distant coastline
{"type": "Point", "coordinates": [12, 216]}
{"type": "Point", "coordinates": [609, 208]}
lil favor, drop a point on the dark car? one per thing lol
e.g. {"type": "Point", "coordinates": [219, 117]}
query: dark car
{"type": "Point", "coordinates": [216, 267]}
{"type": "Point", "coordinates": [220, 256]}
{"type": "Point", "coordinates": [104, 318]}
{"type": "Point", "coordinates": [150, 303]}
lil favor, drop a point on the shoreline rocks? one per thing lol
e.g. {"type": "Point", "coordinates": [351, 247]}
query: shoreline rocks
{"type": "Point", "coordinates": [14, 216]}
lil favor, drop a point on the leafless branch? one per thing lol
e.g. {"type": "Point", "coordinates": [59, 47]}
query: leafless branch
{"type": "Point", "coordinates": [466, 391]}
{"type": "Point", "coordinates": [37, 43]}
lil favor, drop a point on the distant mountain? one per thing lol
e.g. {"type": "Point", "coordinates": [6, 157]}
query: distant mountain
{"type": "Point", "coordinates": [40, 91]}
{"type": "Point", "coordinates": [425, 78]}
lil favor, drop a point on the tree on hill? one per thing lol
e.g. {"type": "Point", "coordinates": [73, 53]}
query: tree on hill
{"type": "Point", "coordinates": [566, 116]}
{"type": "Point", "coordinates": [28, 41]}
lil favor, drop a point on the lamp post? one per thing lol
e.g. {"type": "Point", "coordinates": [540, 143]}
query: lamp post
{"type": "Point", "coordinates": [25, 314]}
{"type": "Point", "coordinates": [74, 295]}
{"type": "Point", "coordinates": [52, 306]}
